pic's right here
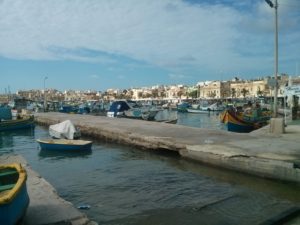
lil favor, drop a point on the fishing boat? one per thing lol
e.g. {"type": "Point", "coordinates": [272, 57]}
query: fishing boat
{"type": "Point", "coordinates": [27, 122]}
{"type": "Point", "coordinates": [190, 110]}
{"type": "Point", "coordinates": [167, 116]}
{"type": "Point", "coordinates": [182, 107]}
{"type": "Point", "coordinates": [241, 122]}
{"type": "Point", "coordinates": [14, 199]}
{"type": "Point", "coordinates": [64, 144]}
{"type": "Point", "coordinates": [141, 113]}
{"type": "Point", "coordinates": [132, 110]}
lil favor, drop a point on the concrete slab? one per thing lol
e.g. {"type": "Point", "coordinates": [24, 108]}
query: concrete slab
{"type": "Point", "coordinates": [46, 207]}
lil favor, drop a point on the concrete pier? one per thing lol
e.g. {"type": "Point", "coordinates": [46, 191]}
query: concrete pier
{"type": "Point", "coordinates": [260, 153]}
{"type": "Point", "coordinates": [46, 207]}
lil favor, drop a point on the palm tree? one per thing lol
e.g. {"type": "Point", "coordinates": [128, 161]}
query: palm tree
{"type": "Point", "coordinates": [244, 92]}
{"type": "Point", "coordinates": [233, 92]}
{"type": "Point", "coordinates": [193, 94]}
{"type": "Point", "coordinates": [259, 92]}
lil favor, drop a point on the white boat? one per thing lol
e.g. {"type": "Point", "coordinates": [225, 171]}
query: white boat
{"type": "Point", "coordinates": [214, 107]}
{"type": "Point", "coordinates": [198, 111]}
{"type": "Point", "coordinates": [131, 109]}
{"type": "Point", "coordinates": [166, 116]}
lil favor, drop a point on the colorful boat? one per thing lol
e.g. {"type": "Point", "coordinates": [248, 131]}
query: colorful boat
{"type": "Point", "coordinates": [241, 122]}
{"type": "Point", "coordinates": [14, 199]}
{"type": "Point", "coordinates": [64, 144]}
{"type": "Point", "coordinates": [17, 124]}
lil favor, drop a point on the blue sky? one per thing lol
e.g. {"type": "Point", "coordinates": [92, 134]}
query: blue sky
{"type": "Point", "coordinates": [101, 44]}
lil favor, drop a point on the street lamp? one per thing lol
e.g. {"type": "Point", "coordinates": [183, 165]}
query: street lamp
{"type": "Point", "coordinates": [275, 6]}
{"type": "Point", "coordinates": [45, 103]}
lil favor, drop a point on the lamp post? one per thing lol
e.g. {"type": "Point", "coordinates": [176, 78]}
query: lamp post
{"type": "Point", "coordinates": [45, 102]}
{"type": "Point", "coordinates": [275, 6]}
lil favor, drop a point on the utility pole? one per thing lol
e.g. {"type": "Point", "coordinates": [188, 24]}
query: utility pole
{"type": "Point", "coordinates": [276, 59]}
{"type": "Point", "coordinates": [275, 6]}
{"type": "Point", "coordinates": [45, 99]}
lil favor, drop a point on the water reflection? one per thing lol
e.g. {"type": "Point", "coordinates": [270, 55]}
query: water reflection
{"type": "Point", "coordinates": [61, 154]}
{"type": "Point", "coordinates": [8, 139]}
{"type": "Point", "coordinates": [284, 190]}
{"type": "Point", "coordinates": [209, 120]}
{"type": "Point", "coordinates": [23, 132]}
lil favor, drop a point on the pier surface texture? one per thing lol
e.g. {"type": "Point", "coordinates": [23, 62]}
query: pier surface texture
{"type": "Point", "coordinates": [260, 153]}
{"type": "Point", "coordinates": [46, 207]}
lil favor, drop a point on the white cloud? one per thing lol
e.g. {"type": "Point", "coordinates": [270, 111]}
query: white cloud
{"type": "Point", "coordinates": [121, 77]}
{"type": "Point", "coordinates": [177, 76]}
{"type": "Point", "coordinates": [170, 33]}
{"type": "Point", "coordinates": [94, 76]}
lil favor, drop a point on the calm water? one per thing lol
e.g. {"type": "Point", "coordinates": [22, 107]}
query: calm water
{"type": "Point", "coordinates": [124, 185]}
{"type": "Point", "coordinates": [211, 120]}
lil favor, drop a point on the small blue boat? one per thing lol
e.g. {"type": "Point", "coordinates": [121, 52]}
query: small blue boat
{"type": "Point", "coordinates": [64, 144]}
{"type": "Point", "coordinates": [17, 124]}
{"type": "Point", "coordinates": [14, 199]}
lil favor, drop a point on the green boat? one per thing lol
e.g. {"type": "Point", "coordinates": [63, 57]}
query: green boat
{"type": "Point", "coordinates": [17, 124]}
{"type": "Point", "coordinates": [14, 198]}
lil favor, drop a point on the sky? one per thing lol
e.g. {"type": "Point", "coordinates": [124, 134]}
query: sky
{"type": "Point", "coordinates": [102, 44]}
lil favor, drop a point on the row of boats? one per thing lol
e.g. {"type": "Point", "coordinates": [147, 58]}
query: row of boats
{"type": "Point", "coordinates": [237, 119]}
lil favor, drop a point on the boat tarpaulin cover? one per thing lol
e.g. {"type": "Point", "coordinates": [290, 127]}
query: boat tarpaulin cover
{"type": "Point", "coordinates": [64, 129]}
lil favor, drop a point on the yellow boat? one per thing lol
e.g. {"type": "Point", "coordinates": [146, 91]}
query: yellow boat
{"type": "Point", "coordinates": [14, 199]}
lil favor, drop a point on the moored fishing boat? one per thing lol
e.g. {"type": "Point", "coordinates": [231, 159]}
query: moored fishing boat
{"type": "Point", "coordinates": [14, 198]}
{"type": "Point", "coordinates": [141, 113]}
{"type": "Point", "coordinates": [182, 107]}
{"type": "Point", "coordinates": [241, 122]}
{"type": "Point", "coordinates": [64, 145]}
{"type": "Point", "coordinates": [190, 110]}
{"type": "Point", "coordinates": [132, 110]}
{"type": "Point", "coordinates": [23, 123]}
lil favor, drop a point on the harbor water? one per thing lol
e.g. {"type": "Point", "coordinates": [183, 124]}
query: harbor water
{"type": "Point", "coordinates": [124, 185]}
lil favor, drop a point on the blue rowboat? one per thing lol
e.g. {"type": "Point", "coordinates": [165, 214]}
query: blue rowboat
{"type": "Point", "coordinates": [14, 198]}
{"type": "Point", "coordinates": [17, 124]}
{"type": "Point", "coordinates": [64, 144]}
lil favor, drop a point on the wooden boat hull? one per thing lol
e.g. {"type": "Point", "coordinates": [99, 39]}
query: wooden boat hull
{"type": "Point", "coordinates": [65, 145]}
{"type": "Point", "coordinates": [236, 123]}
{"type": "Point", "coordinates": [14, 200]}
{"type": "Point", "coordinates": [17, 124]}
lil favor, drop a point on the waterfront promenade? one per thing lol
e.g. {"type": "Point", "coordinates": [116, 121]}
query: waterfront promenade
{"type": "Point", "coordinates": [258, 153]}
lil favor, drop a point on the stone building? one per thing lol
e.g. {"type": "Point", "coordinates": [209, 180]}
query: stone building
{"type": "Point", "coordinates": [214, 89]}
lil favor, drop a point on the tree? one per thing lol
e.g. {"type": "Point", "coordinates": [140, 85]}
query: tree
{"type": "Point", "coordinates": [233, 92]}
{"type": "Point", "coordinates": [179, 94]}
{"type": "Point", "coordinates": [155, 93]}
{"type": "Point", "coordinates": [212, 94]}
{"type": "Point", "coordinates": [259, 92]}
{"type": "Point", "coordinates": [140, 94]}
{"type": "Point", "coordinates": [244, 92]}
{"type": "Point", "coordinates": [193, 94]}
